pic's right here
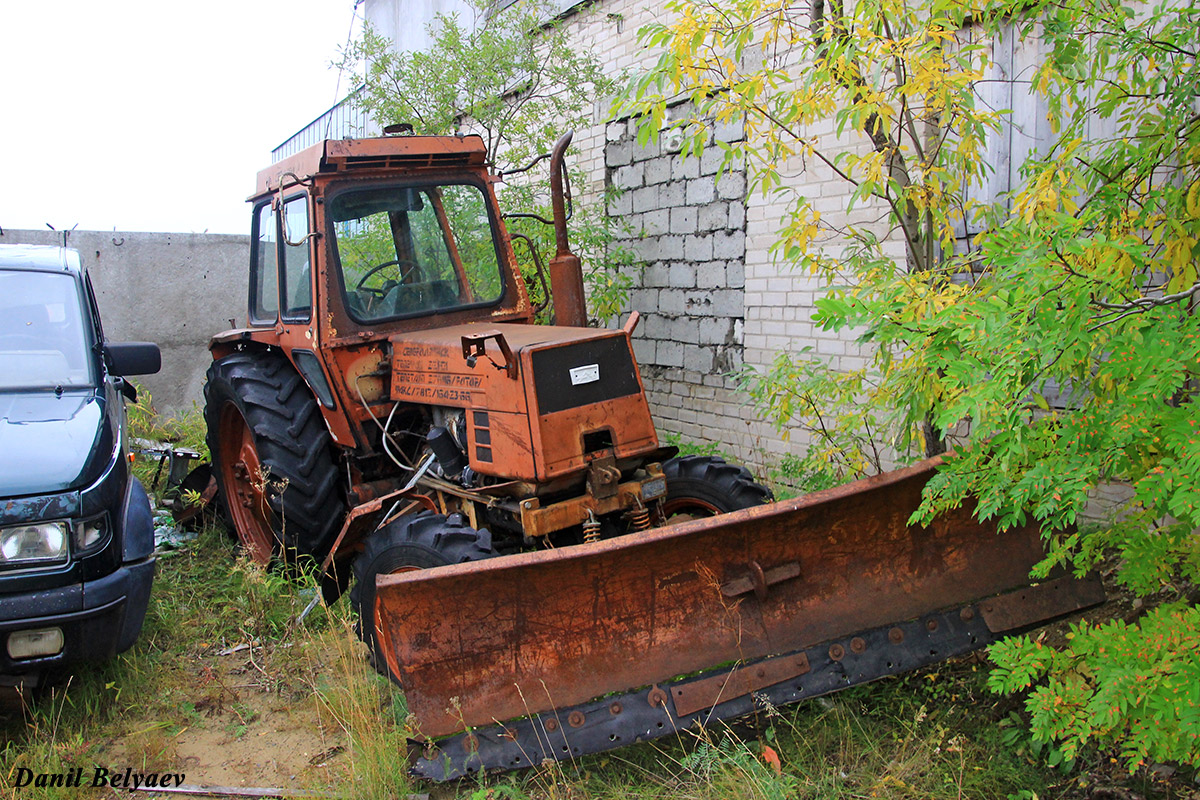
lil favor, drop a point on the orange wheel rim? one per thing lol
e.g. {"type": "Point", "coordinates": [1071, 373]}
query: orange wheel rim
{"type": "Point", "coordinates": [683, 509]}
{"type": "Point", "coordinates": [241, 476]}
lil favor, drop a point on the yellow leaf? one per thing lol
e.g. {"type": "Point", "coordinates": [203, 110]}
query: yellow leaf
{"type": "Point", "coordinates": [1193, 200]}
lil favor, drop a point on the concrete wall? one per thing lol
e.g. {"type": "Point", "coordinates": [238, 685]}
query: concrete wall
{"type": "Point", "coordinates": [174, 289]}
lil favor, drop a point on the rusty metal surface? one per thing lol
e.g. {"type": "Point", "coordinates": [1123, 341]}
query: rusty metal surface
{"type": "Point", "coordinates": [759, 580]}
{"type": "Point", "coordinates": [708, 692]}
{"type": "Point", "coordinates": [357, 521]}
{"type": "Point", "coordinates": [566, 270]}
{"type": "Point", "coordinates": [566, 285]}
{"type": "Point", "coordinates": [334, 155]}
{"type": "Point", "coordinates": [432, 367]}
{"type": "Point", "coordinates": [667, 709]}
{"type": "Point", "coordinates": [539, 520]}
{"type": "Point", "coordinates": [1025, 607]}
{"type": "Point", "coordinates": [516, 635]}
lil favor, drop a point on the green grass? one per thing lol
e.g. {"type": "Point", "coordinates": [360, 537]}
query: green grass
{"type": "Point", "coordinates": [896, 738]}
{"type": "Point", "coordinates": [207, 599]}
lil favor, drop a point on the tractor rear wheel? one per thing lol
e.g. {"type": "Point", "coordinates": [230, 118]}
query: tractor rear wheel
{"type": "Point", "coordinates": [272, 456]}
{"type": "Point", "coordinates": [415, 541]}
{"type": "Point", "coordinates": [702, 486]}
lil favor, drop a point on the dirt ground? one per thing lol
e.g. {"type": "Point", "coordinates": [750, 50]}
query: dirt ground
{"type": "Point", "coordinates": [245, 725]}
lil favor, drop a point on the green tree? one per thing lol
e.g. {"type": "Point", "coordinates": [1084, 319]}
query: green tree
{"type": "Point", "coordinates": [1082, 283]}
{"type": "Point", "coordinates": [897, 78]}
{"type": "Point", "coordinates": [513, 78]}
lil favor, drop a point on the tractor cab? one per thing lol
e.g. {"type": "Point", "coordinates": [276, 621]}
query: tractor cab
{"type": "Point", "coordinates": [387, 314]}
{"type": "Point", "coordinates": [413, 250]}
{"type": "Point", "coordinates": [380, 231]}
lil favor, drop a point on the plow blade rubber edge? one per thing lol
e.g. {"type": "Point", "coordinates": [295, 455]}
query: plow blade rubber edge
{"type": "Point", "coordinates": [788, 600]}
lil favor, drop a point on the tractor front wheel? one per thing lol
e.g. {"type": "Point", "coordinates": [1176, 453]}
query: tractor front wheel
{"type": "Point", "coordinates": [414, 541]}
{"type": "Point", "coordinates": [703, 486]}
{"type": "Point", "coordinates": [272, 456]}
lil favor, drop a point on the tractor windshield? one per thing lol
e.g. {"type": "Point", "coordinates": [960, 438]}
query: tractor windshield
{"type": "Point", "coordinates": [414, 250]}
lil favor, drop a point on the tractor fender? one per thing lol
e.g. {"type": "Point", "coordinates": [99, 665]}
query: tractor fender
{"type": "Point", "coordinates": [238, 340]}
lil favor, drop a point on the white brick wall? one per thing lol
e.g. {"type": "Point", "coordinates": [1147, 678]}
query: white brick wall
{"type": "Point", "coordinates": [776, 301]}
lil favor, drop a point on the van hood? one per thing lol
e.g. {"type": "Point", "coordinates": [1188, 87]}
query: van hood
{"type": "Point", "coordinates": [52, 443]}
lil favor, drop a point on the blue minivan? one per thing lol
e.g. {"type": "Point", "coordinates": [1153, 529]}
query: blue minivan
{"type": "Point", "coordinates": [76, 531]}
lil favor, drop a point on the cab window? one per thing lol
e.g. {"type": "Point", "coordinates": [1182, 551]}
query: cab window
{"type": "Point", "coordinates": [297, 269]}
{"type": "Point", "coordinates": [264, 286]}
{"type": "Point", "coordinates": [413, 250]}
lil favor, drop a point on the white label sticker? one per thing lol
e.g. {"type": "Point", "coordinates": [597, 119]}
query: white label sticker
{"type": "Point", "coordinates": [586, 374]}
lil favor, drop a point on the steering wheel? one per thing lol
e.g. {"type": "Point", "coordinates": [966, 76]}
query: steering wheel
{"type": "Point", "coordinates": [405, 267]}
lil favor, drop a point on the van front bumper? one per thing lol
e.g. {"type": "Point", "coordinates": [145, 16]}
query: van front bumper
{"type": "Point", "coordinates": [97, 619]}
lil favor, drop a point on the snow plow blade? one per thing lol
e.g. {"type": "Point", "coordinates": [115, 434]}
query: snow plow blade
{"type": "Point", "coordinates": [555, 654]}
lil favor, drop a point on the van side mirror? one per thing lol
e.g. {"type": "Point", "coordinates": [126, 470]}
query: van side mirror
{"type": "Point", "coordinates": [132, 358]}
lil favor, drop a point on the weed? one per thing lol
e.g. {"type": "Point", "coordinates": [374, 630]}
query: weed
{"type": "Point", "coordinates": [787, 477]}
{"type": "Point", "coordinates": [153, 746]}
{"type": "Point", "coordinates": [186, 430]}
{"type": "Point", "coordinates": [370, 712]}
{"type": "Point", "coordinates": [688, 447]}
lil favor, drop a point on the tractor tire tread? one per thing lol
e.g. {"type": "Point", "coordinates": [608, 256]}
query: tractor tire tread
{"type": "Point", "coordinates": [292, 441]}
{"type": "Point", "coordinates": [732, 482]}
{"type": "Point", "coordinates": [434, 539]}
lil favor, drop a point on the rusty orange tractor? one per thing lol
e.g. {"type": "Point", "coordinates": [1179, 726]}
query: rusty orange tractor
{"type": "Point", "coordinates": [499, 496]}
{"type": "Point", "coordinates": [391, 381]}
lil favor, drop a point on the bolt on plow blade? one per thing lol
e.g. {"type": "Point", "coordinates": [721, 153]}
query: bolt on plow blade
{"type": "Point", "coordinates": [559, 653]}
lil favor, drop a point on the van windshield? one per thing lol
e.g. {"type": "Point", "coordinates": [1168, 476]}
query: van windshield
{"type": "Point", "coordinates": [42, 339]}
{"type": "Point", "coordinates": [415, 250]}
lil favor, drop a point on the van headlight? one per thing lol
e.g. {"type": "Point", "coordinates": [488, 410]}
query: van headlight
{"type": "Point", "coordinates": [41, 541]}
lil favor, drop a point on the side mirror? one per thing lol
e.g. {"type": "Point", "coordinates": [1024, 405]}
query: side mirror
{"type": "Point", "coordinates": [132, 358]}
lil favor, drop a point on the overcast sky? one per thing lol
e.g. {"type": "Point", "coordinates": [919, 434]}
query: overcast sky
{"type": "Point", "coordinates": [155, 116]}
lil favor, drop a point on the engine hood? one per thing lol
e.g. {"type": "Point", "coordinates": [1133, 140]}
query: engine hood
{"type": "Point", "coordinates": [52, 443]}
{"type": "Point", "coordinates": [540, 402]}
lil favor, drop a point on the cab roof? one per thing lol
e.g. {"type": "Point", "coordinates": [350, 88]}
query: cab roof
{"type": "Point", "coordinates": [389, 153]}
{"type": "Point", "coordinates": [39, 258]}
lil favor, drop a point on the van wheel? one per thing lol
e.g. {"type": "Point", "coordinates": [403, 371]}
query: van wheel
{"type": "Point", "coordinates": [703, 486]}
{"type": "Point", "coordinates": [272, 456]}
{"type": "Point", "coordinates": [415, 541]}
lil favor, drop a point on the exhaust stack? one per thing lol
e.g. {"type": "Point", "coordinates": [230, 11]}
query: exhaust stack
{"type": "Point", "coordinates": [566, 270]}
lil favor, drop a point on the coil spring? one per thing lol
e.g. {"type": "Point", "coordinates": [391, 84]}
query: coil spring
{"type": "Point", "coordinates": [639, 518]}
{"type": "Point", "coordinates": [591, 529]}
